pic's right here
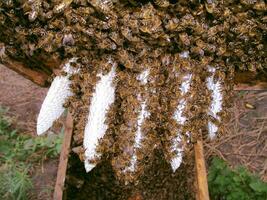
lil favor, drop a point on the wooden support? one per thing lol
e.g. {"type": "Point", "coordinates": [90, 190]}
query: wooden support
{"type": "Point", "coordinates": [201, 173]}
{"type": "Point", "coordinates": [37, 77]}
{"type": "Point", "coordinates": [250, 81]}
{"type": "Point", "coordinates": [246, 87]}
{"type": "Point", "coordinates": [63, 161]}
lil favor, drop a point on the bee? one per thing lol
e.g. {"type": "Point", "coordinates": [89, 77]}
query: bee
{"type": "Point", "coordinates": [8, 3]}
{"type": "Point", "coordinates": [107, 44]}
{"type": "Point", "coordinates": [127, 33]}
{"type": "Point", "coordinates": [172, 24]}
{"type": "Point", "coordinates": [62, 6]}
{"type": "Point", "coordinates": [248, 2]}
{"type": "Point", "coordinates": [210, 6]}
{"type": "Point", "coordinates": [184, 38]}
{"type": "Point", "coordinates": [2, 51]}
{"type": "Point", "coordinates": [102, 5]}
{"type": "Point", "coordinates": [162, 3]}
{"type": "Point", "coordinates": [56, 24]}
{"type": "Point", "coordinates": [115, 37]}
{"type": "Point", "coordinates": [35, 10]}
{"type": "Point", "coordinates": [79, 150]}
{"type": "Point", "coordinates": [46, 40]}
{"type": "Point", "coordinates": [68, 40]}
{"type": "Point", "coordinates": [86, 11]}
{"type": "Point", "coordinates": [197, 50]}
{"type": "Point", "coordinates": [33, 15]}
{"type": "Point", "coordinates": [48, 15]}
{"type": "Point", "coordinates": [260, 6]}
{"type": "Point", "coordinates": [80, 2]}
{"type": "Point", "coordinates": [125, 59]}
{"type": "Point", "coordinates": [75, 18]}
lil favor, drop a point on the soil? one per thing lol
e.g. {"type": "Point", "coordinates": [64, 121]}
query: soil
{"type": "Point", "coordinates": [43, 179]}
{"type": "Point", "coordinates": [22, 97]}
{"type": "Point", "coordinates": [244, 142]}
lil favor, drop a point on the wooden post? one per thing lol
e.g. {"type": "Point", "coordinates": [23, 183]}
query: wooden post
{"type": "Point", "coordinates": [63, 161]}
{"type": "Point", "coordinates": [202, 183]}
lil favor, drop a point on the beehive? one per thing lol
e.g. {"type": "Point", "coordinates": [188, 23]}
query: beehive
{"type": "Point", "coordinates": [165, 66]}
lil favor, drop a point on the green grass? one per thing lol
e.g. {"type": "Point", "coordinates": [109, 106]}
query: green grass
{"type": "Point", "coordinates": [234, 184]}
{"type": "Point", "coordinates": [18, 155]}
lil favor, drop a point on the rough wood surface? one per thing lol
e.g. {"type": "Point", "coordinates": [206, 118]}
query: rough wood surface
{"type": "Point", "coordinates": [63, 161]}
{"type": "Point", "coordinates": [201, 173]}
{"type": "Point", "coordinates": [258, 86]}
{"type": "Point", "coordinates": [38, 77]}
{"type": "Point", "coordinates": [250, 81]}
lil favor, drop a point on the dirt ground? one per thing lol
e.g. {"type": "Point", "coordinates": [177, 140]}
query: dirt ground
{"type": "Point", "coordinates": [245, 141]}
{"type": "Point", "coordinates": [22, 97]}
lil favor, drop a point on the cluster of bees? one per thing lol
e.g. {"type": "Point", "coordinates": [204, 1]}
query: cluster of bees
{"type": "Point", "coordinates": [229, 35]}
{"type": "Point", "coordinates": [231, 30]}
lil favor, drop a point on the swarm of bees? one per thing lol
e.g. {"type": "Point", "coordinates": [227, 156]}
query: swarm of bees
{"type": "Point", "coordinates": [169, 40]}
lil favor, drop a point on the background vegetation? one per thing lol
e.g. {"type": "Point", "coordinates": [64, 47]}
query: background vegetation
{"type": "Point", "coordinates": [18, 156]}
{"type": "Point", "coordinates": [234, 184]}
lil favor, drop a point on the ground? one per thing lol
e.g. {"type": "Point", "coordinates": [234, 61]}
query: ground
{"type": "Point", "coordinates": [24, 99]}
{"type": "Point", "coordinates": [243, 143]}
{"type": "Point", "coordinates": [245, 140]}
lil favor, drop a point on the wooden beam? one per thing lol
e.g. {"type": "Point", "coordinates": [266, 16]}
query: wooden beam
{"type": "Point", "coordinates": [250, 80]}
{"type": "Point", "coordinates": [37, 77]}
{"type": "Point", "coordinates": [201, 173]}
{"type": "Point", "coordinates": [255, 87]}
{"type": "Point", "coordinates": [63, 161]}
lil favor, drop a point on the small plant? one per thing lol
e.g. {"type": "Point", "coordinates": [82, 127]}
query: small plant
{"type": "Point", "coordinates": [18, 154]}
{"type": "Point", "coordinates": [237, 184]}
{"type": "Point", "coordinates": [14, 181]}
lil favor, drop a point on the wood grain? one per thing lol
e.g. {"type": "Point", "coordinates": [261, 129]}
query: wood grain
{"type": "Point", "coordinates": [63, 161]}
{"type": "Point", "coordinates": [39, 78]}
{"type": "Point", "coordinates": [201, 173]}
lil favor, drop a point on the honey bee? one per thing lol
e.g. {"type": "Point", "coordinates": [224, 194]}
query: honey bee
{"type": "Point", "coordinates": [184, 39]}
{"type": "Point", "coordinates": [125, 59]}
{"type": "Point", "coordinates": [210, 6]}
{"type": "Point", "coordinates": [45, 41]}
{"type": "Point", "coordinates": [260, 6]}
{"type": "Point", "coordinates": [162, 3]}
{"type": "Point", "coordinates": [172, 24]}
{"type": "Point", "coordinates": [79, 150]}
{"type": "Point", "coordinates": [62, 6]}
{"type": "Point", "coordinates": [80, 2]}
{"type": "Point", "coordinates": [33, 15]}
{"type": "Point", "coordinates": [68, 40]}
{"type": "Point", "coordinates": [8, 3]}
{"type": "Point", "coordinates": [35, 10]}
{"type": "Point", "coordinates": [2, 51]}
{"type": "Point", "coordinates": [248, 2]}
{"type": "Point", "coordinates": [102, 6]}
